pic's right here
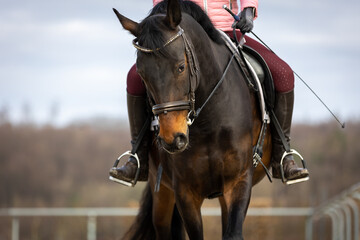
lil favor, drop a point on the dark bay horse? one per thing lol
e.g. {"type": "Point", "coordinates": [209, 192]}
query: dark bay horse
{"type": "Point", "coordinates": [181, 57]}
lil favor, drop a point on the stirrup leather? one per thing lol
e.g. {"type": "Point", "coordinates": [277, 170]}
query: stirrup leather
{"type": "Point", "coordinates": [286, 181]}
{"type": "Point", "coordinates": [126, 183]}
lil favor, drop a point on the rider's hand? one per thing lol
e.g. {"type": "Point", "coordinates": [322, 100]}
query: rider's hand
{"type": "Point", "coordinates": [246, 22]}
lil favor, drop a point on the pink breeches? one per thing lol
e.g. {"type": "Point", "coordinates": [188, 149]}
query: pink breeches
{"type": "Point", "coordinates": [281, 72]}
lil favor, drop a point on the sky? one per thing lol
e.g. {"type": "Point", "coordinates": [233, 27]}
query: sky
{"type": "Point", "coordinates": [62, 61]}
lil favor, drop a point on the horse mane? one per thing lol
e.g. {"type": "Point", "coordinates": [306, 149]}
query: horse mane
{"type": "Point", "coordinates": [151, 35]}
{"type": "Point", "coordinates": [197, 13]}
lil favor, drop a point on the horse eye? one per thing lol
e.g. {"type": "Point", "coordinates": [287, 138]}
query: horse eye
{"type": "Point", "coordinates": [181, 68]}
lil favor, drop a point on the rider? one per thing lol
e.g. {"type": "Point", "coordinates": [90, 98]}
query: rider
{"type": "Point", "coordinates": [283, 81]}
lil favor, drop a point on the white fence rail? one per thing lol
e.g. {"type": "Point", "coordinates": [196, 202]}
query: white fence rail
{"type": "Point", "coordinates": [343, 211]}
{"type": "Point", "coordinates": [92, 213]}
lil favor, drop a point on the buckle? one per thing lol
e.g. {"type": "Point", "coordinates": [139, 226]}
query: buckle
{"type": "Point", "coordinates": [123, 182]}
{"type": "Point", "coordinates": [256, 159]}
{"type": "Point", "coordinates": [286, 181]}
{"type": "Point", "coordinates": [154, 125]}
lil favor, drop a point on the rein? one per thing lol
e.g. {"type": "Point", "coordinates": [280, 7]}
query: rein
{"type": "Point", "coordinates": [194, 80]}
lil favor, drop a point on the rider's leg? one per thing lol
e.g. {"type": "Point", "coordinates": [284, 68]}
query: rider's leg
{"type": "Point", "coordinates": [137, 112]}
{"type": "Point", "coordinates": [284, 85]}
{"type": "Point", "coordinates": [283, 109]}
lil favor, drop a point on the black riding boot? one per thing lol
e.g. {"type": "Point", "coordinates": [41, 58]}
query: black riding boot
{"type": "Point", "coordinates": [283, 112]}
{"type": "Point", "coordinates": [137, 112]}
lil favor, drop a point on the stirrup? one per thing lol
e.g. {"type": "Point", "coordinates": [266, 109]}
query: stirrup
{"type": "Point", "coordinates": [127, 183]}
{"type": "Point", "coordinates": [286, 181]}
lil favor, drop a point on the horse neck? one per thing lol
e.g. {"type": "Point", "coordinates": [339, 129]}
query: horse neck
{"type": "Point", "coordinates": [213, 59]}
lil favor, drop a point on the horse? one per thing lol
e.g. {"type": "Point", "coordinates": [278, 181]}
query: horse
{"type": "Point", "coordinates": [203, 154]}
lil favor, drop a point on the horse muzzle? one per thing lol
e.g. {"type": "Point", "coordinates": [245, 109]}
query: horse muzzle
{"type": "Point", "coordinates": [179, 144]}
{"type": "Point", "coordinates": [174, 131]}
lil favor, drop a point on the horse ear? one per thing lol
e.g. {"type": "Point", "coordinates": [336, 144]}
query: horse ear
{"type": "Point", "coordinates": [173, 15]}
{"type": "Point", "coordinates": [128, 24]}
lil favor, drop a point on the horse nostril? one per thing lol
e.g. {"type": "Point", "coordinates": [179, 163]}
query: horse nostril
{"type": "Point", "coordinates": [180, 141]}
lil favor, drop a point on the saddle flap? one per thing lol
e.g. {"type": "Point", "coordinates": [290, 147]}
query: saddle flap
{"type": "Point", "coordinates": [256, 66]}
{"type": "Point", "coordinates": [263, 72]}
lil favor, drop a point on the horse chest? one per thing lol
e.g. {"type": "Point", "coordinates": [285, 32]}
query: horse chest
{"type": "Point", "coordinates": [204, 168]}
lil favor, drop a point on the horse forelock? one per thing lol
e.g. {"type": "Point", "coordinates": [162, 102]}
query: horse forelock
{"type": "Point", "coordinates": [196, 12]}
{"type": "Point", "coordinates": [152, 27]}
{"type": "Point", "coordinates": [151, 32]}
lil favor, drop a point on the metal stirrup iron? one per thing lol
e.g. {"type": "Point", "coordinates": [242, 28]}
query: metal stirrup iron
{"type": "Point", "coordinates": [133, 182]}
{"type": "Point", "coordinates": [286, 181]}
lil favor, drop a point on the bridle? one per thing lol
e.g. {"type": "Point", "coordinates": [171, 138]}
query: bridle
{"type": "Point", "coordinates": [194, 78]}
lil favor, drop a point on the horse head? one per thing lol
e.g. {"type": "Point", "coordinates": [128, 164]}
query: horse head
{"type": "Point", "coordinates": [167, 72]}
